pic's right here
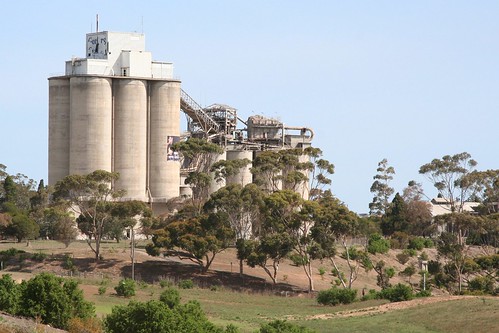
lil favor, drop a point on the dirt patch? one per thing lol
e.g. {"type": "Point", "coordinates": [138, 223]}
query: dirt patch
{"type": "Point", "coordinates": [388, 307]}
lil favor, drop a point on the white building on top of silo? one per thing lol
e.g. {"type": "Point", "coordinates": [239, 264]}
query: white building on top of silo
{"type": "Point", "coordinates": [118, 54]}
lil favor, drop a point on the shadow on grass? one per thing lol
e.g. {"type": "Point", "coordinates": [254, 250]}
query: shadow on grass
{"type": "Point", "coordinates": [155, 271]}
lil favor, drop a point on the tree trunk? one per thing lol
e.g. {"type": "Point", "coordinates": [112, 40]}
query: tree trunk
{"type": "Point", "coordinates": [241, 267]}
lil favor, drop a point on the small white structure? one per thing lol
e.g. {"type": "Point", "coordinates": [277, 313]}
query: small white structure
{"type": "Point", "coordinates": [442, 206]}
{"type": "Point", "coordinates": [118, 54]}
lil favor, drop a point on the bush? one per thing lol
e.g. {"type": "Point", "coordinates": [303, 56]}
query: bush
{"type": "Point", "coordinates": [371, 294]}
{"type": "Point", "coordinates": [125, 288]}
{"type": "Point", "coordinates": [377, 244]}
{"type": "Point", "coordinates": [39, 256]}
{"type": "Point", "coordinates": [335, 296]}
{"type": "Point", "coordinates": [398, 293]}
{"type": "Point", "coordinates": [170, 297]}
{"type": "Point", "coordinates": [428, 243]}
{"type": "Point", "coordinates": [155, 316]}
{"type": "Point", "coordinates": [186, 284]}
{"type": "Point", "coordinates": [402, 258]}
{"type": "Point", "coordinates": [416, 243]}
{"type": "Point", "coordinates": [399, 240]}
{"type": "Point", "coordinates": [67, 263]}
{"type": "Point", "coordinates": [9, 294]}
{"type": "Point", "coordinates": [102, 290]}
{"type": "Point", "coordinates": [483, 284]}
{"type": "Point", "coordinates": [54, 300]}
{"type": "Point", "coordinates": [410, 252]}
{"type": "Point", "coordinates": [424, 293]}
{"type": "Point", "coordinates": [282, 326]}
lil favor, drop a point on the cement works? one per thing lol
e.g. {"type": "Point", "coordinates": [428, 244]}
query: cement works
{"type": "Point", "coordinates": [118, 110]}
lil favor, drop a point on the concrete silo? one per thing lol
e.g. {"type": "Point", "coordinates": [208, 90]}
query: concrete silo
{"type": "Point", "coordinates": [244, 176]}
{"type": "Point", "coordinates": [130, 136]}
{"type": "Point", "coordinates": [216, 185]}
{"type": "Point", "coordinates": [164, 130]}
{"type": "Point", "coordinates": [59, 109]}
{"type": "Point", "coordinates": [115, 110]}
{"type": "Point", "coordinates": [90, 124]}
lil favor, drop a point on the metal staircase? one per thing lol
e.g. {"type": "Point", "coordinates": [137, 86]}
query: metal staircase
{"type": "Point", "coordinates": [197, 114]}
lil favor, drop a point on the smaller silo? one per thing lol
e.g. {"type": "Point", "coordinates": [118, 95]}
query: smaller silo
{"type": "Point", "coordinates": [244, 176]}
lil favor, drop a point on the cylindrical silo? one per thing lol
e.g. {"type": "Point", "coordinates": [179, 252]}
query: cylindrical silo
{"type": "Point", "coordinates": [243, 176]}
{"type": "Point", "coordinates": [216, 185]}
{"type": "Point", "coordinates": [304, 188]}
{"type": "Point", "coordinates": [164, 130]}
{"type": "Point", "coordinates": [59, 109]}
{"type": "Point", "coordinates": [130, 136]}
{"type": "Point", "coordinates": [91, 124]}
{"type": "Point", "coordinates": [269, 180]}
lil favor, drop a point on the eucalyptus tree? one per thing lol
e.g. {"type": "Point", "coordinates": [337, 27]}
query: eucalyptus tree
{"type": "Point", "coordinates": [242, 208]}
{"type": "Point", "coordinates": [449, 175]}
{"type": "Point", "coordinates": [381, 188]}
{"type": "Point", "coordinates": [334, 223]}
{"type": "Point", "coordinates": [91, 197]}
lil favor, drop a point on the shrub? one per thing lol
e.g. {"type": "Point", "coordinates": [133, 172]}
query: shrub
{"type": "Point", "coordinates": [102, 290]}
{"type": "Point", "coordinates": [67, 263]}
{"type": "Point", "coordinates": [125, 288]}
{"type": "Point", "coordinates": [9, 294]}
{"type": "Point", "coordinates": [483, 284]}
{"type": "Point", "coordinates": [402, 258]}
{"type": "Point", "coordinates": [186, 284]}
{"type": "Point", "coordinates": [54, 300]}
{"type": "Point", "coordinates": [282, 326]}
{"type": "Point", "coordinates": [12, 252]}
{"type": "Point", "coordinates": [424, 293]}
{"type": "Point", "coordinates": [398, 293]}
{"type": "Point", "coordinates": [371, 294]}
{"type": "Point", "coordinates": [39, 256]}
{"type": "Point", "coordinates": [424, 255]}
{"type": "Point", "coordinates": [155, 316]}
{"type": "Point", "coordinates": [335, 296]}
{"type": "Point", "coordinates": [428, 243]}
{"type": "Point", "coordinates": [170, 297]}
{"type": "Point", "coordinates": [416, 243]}
{"type": "Point", "coordinates": [377, 244]}
{"type": "Point", "coordinates": [410, 252]}
{"type": "Point", "coordinates": [399, 240]}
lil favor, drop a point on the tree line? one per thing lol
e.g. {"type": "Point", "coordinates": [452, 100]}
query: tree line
{"type": "Point", "coordinates": [288, 211]}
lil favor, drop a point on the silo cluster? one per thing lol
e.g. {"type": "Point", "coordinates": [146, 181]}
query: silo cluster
{"type": "Point", "coordinates": [118, 124]}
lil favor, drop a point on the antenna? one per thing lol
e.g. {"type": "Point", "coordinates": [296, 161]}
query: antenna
{"type": "Point", "coordinates": [97, 22]}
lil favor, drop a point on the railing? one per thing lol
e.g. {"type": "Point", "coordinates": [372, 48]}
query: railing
{"type": "Point", "coordinates": [196, 112]}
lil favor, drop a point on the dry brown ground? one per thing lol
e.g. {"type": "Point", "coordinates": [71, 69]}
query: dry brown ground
{"type": "Point", "coordinates": [224, 270]}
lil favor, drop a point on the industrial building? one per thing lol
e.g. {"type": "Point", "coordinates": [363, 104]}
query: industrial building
{"type": "Point", "coordinates": [118, 110]}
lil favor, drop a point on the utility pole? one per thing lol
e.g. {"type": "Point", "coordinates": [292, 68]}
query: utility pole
{"type": "Point", "coordinates": [132, 251]}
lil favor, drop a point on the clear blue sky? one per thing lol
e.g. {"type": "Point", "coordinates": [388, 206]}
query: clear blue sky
{"type": "Point", "coordinates": [404, 80]}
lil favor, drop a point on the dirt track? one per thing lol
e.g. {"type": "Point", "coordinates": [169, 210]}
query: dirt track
{"type": "Point", "coordinates": [389, 307]}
